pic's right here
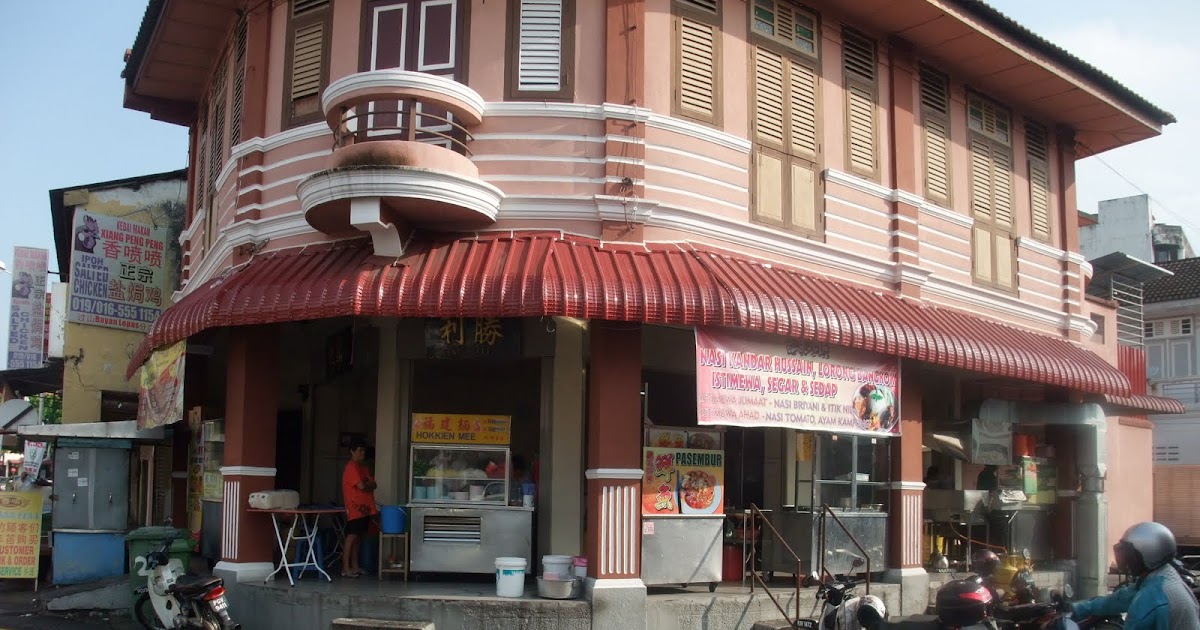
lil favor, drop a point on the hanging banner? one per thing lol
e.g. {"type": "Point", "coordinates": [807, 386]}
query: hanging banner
{"type": "Point", "coordinates": [754, 380]}
{"type": "Point", "coordinates": [27, 316]}
{"type": "Point", "coordinates": [160, 395]}
{"type": "Point", "coordinates": [35, 452]}
{"type": "Point", "coordinates": [117, 273]}
{"type": "Point", "coordinates": [457, 428]}
{"type": "Point", "coordinates": [682, 481]}
{"type": "Point", "coordinates": [21, 531]}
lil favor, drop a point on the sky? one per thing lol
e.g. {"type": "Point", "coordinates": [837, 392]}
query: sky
{"type": "Point", "coordinates": [62, 123]}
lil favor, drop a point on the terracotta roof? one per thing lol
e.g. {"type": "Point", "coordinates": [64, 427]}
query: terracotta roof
{"type": "Point", "coordinates": [1184, 285]}
{"type": "Point", "coordinates": [547, 273]}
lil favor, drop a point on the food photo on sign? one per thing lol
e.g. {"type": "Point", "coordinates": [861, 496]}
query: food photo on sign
{"type": "Point", "coordinates": [682, 481]}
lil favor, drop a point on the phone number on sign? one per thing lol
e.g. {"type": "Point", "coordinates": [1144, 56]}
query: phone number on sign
{"type": "Point", "coordinates": [117, 310]}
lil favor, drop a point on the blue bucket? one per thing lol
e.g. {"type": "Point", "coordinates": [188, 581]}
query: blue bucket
{"type": "Point", "coordinates": [391, 519]}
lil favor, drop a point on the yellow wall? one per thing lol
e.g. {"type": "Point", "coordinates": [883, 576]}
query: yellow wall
{"type": "Point", "coordinates": [96, 357]}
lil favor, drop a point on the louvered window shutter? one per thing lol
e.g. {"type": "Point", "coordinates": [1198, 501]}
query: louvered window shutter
{"type": "Point", "coordinates": [981, 179]}
{"type": "Point", "coordinates": [540, 46]}
{"type": "Point", "coordinates": [201, 171]}
{"type": "Point", "coordinates": [697, 60]}
{"type": "Point", "coordinates": [239, 83]}
{"type": "Point", "coordinates": [1038, 154]}
{"type": "Point", "coordinates": [1002, 198]}
{"type": "Point", "coordinates": [307, 63]}
{"type": "Point", "coordinates": [788, 149]}
{"type": "Point", "coordinates": [803, 109]}
{"type": "Point", "coordinates": [935, 119]}
{"type": "Point", "coordinates": [860, 69]}
{"type": "Point", "coordinates": [769, 95]}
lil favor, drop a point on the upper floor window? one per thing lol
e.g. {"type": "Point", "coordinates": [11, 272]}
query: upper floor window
{"type": "Point", "coordinates": [994, 249]}
{"type": "Point", "coordinates": [541, 45]}
{"type": "Point", "coordinates": [1180, 327]}
{"type": "Point", "coordinates": [860, 70]}
{"type": "Point", "coordinates": [787, 147]}
{"type": "Point", "coordinates": [787, 24]}
{"type": "Point", "coordinates": [1037, 154]}
{"type": "Point", "coordinates": [696, 91]}
{"type": "Point", "coordinates": [307, 64]}
{"type": "Point", "coordinates": [935, 123]}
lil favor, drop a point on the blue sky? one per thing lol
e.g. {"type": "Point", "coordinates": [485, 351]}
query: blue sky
{"type": "Point", "coordinates": [63, 124]}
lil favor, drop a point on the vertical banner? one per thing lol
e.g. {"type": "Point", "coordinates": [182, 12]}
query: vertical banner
{"type": "Point", "coordinates": [21, 531]}
{"type": "Point", "coordinates": [754, 380]}
{"type": "Point", "coordinates": [35, 452]}
{"type": "Point", "coordinates": [160, 394]}
{"type": "Point", "coordinates": [117, 272]}
{"type": "Point", "coordinates": [27, 317]}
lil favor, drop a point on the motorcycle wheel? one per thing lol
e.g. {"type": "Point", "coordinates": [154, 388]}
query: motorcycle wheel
{"type": "Point", "coordinates": [143, 610]}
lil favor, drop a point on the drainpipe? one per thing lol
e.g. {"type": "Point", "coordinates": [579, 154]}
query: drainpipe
{"type": "Point", "coordinates": [1091, 506]}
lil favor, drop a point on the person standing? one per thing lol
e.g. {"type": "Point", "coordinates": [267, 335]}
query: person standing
{"type": "Point", "coordinates": [358, 491]}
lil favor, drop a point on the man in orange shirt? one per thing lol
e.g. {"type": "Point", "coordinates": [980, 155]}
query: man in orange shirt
{"type": "Point", "coordinates": [358, 491]}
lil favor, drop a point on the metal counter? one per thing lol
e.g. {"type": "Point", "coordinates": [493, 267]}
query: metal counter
{"type": "Point", "coordinates": [468, 539]}
{"type": "Point", "coordinates": [802, 531]}
{"type": "Point", "coordinates": [682, 549]}
{"type": "Point", "coordinates": [1024, 526]}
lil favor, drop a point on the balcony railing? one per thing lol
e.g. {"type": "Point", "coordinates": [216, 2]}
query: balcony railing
{"type": "Point", "coordinates": [408, 120]}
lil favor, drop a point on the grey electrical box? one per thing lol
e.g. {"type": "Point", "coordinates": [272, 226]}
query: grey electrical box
{"type": "Point", "coordinates": [92, 488]}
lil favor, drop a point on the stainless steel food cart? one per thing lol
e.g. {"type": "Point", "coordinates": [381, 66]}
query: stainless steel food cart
{"type": "Point", "coordinates": [801, 529]}
{"type": "Point", "coordinates": [682, 549]}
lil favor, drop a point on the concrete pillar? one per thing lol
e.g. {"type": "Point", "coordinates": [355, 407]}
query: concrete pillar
{"type": "Point", "coordinates": [389, 460]}
{"type": "Point", "coordinates": [614, 476]}
{"type": "Point", "coordinates": [251, 407]}
{"type": "Point", "coordinates": [906, 512]}
{"type": "Point", "coordinates": [562, 470]}
{"type": "Point", "coordinates": [906, 244]}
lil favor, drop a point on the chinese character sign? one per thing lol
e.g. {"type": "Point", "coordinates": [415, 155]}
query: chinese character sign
{"type": "Point", "coordinates": [752, 380]}
{"type": "Point", "coordinates": [27, 317]}
{"type": "Point", "coordinates": [35, 452]}
{"type": "Point", "coordinates": [117, 272]}
{"type": "Point", "coordinates": [20, 534]}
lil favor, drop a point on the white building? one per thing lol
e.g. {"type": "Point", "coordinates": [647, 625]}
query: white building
{"type": "Point", "coordinates": [1127, 225]}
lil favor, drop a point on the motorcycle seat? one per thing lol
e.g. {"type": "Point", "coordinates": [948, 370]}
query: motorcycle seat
{"type": "Point", "coordinates": [191, 585]}
{"type": "Point", "coordinates": [914, 622]}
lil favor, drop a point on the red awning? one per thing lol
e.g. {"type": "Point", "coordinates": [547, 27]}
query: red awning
{"type": "Point", "coordinates": [548, 273]}
{"type": "Point", "coordinates": [1140, 405]}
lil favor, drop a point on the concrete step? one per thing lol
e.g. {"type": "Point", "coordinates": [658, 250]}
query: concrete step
{"type": "Point", "coordinates": [349, 623]}
{"type": "Point", "coordinates": [774, 624]}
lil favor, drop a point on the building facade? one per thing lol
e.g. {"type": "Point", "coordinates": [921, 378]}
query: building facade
{"type": "Point", "coordinates": [598, 180]}
{"type": "Point", "coordinates": [1127, 225]}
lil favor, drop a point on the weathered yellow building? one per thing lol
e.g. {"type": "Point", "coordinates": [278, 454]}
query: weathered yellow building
{"type": "Point", "coordinates": [134, 226]}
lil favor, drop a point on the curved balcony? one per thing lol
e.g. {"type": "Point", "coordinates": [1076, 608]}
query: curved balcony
{"type": "Point", "coordinates": [401, 159]}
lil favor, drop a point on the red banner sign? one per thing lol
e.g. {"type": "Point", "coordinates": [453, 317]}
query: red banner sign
{"type": "Point", "coordinates": [753, 380]}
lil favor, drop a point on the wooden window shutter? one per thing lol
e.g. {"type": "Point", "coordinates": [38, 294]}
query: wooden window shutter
{"type": "Point", "coordinates": [859, 66]}
{"type": "Point", "coordinates": [787, 24]}
{"type": "Point", "coordinates": [239, 83]}
{"type": "Point", "coordinates": [1037, 153]}
{"type": "Point", "coordinates": [803, 110]}
{"type": "Point", "coordinates": [769, 98]}
{"type": "Point", "coordinates": [935, 120]}
{"type": "Point", "coordinates": [697, 61]}
{"type": "Point", "coordinates": [1002, 193]}
{"type": "Point", "coordinates": [308, 54]}
{"type": "Point", "coordinates": [201, 172]}
{"type": "Point", "coordinates": [981, 179]}
{"type": "Point", "coordinates": [541, 48]}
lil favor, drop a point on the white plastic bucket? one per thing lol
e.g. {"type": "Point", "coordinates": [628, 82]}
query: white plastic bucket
{"type": "Point", "coordinates": [510, 577]}
{"type": "Point", "coordinates": [556, 567]}
{"type": "Point", "coordinates": [477, 493]}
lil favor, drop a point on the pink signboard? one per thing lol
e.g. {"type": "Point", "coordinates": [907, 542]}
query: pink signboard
{"type": "Point", "coordinates": [750, 379]}
{"type": "Point", "coordinates": [27, 317]}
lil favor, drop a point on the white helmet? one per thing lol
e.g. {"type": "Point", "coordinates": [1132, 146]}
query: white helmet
{"type": "Point", "coordinates": [1152, 544]}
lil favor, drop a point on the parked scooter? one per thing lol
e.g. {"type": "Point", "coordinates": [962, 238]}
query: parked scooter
{"type": "Point", "coordinates": [172, 599]}
{"type": "Point", "coordinates": [841, 609]}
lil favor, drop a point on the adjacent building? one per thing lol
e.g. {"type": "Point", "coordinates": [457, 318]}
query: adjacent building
{"type": "Point", "coordinates": [1127, 225]}
{"type": "Point", "coordinates": [537, 209]}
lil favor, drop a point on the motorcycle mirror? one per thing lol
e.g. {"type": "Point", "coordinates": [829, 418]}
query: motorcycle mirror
{"type": "Point", "coordinates": [1068, 591]}
{"type": "Point", "coordinates": [812, 579]}
{"type": "Point", "coordinates": [858, 562]}
{"type": "Point", "coordinates": [1025, 554]}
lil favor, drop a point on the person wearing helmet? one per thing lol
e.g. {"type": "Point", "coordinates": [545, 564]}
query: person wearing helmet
{"type": "Point", "coordinates": [1158, 598]}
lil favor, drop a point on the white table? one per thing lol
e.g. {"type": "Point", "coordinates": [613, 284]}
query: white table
{"type": "Point", "coordinates": [302, 527]}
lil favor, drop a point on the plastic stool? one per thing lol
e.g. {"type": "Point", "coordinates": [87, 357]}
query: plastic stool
{"type": "Point", "coordinates": [302, 553]}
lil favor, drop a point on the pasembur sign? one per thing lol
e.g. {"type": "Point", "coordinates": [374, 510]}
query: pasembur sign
{"type": "Point", "coordinates": [750, 379]}
{"type": "Point", "coordinates": [118, 273]}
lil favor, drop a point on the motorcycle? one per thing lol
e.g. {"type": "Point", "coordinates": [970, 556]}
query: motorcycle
{"type": "Point", "coordinates": [173, 599]}
{"type": "Point", "coordinates": [841, 609]}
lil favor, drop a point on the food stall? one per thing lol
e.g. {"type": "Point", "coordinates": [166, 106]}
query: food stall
{"type": "Point", "coordinates": [459, 473]}
{"type": "Point", "coordinates": [682, 507]}
{"type": "Point", "coordinates": [850, 474]}
{"type": "Point", "coordinates": [212, 489]}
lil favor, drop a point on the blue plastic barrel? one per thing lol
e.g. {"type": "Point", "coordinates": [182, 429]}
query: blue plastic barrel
{"type": "Point", "coordinates": [392, 519]}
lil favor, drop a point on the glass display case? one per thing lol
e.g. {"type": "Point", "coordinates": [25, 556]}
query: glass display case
{"type": "Point", "coordinates": [851, 473]}
{"type": "Point", "coordinates": [470, 475]}
{"type": "Point", "coordinates": [212, 436]}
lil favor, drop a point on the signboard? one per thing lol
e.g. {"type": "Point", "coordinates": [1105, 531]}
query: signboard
{"type": "Point", "coordinates": [35, 452]}
{"type": "Point", "coordinates": [117, 273]}
{"type": "Point", "coordinates": [682, 481]}
{"type": "Point", "coordinates": [56, 329]}
{"type": "Point", "coordinates": [448, 428]}
{"type": "Point", "coordinates": [20, 534]}
{"type": "Point", "coordinates": [754, 380]}
{"type": "Point", "coordinates": [160, 393]}
{"type": "Point", "coordinates": [27, 316]}
{"type": "Point", "coordinates": [472, 337]}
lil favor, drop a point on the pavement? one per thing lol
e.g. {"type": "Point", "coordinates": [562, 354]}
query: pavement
{"type": "Point", "coordinates": [22, 608]}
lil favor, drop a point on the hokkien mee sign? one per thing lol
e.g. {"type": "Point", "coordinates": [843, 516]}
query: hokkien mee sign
{"type": "Point", "coordinates": [117, 272]}
{"type": "Point", "coordinates": [755, 380]}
